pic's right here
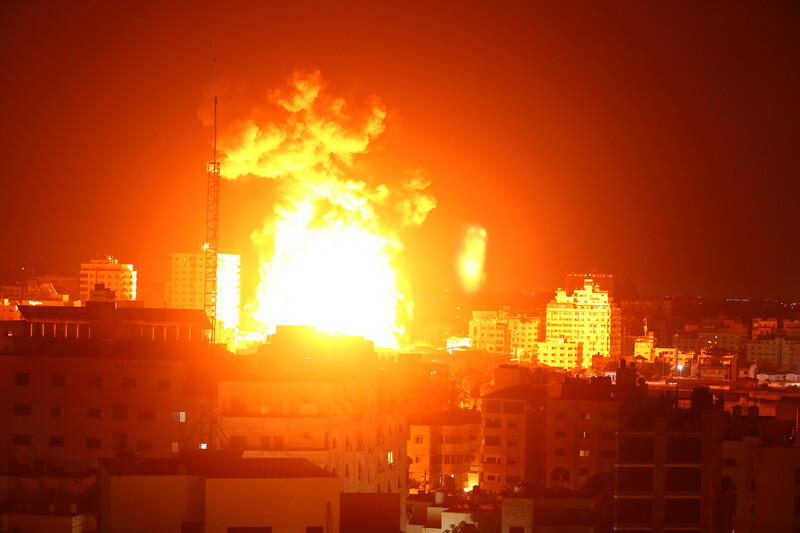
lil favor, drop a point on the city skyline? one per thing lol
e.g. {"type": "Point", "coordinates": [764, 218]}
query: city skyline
{"type": "Point", "coordinates": [641, 141]}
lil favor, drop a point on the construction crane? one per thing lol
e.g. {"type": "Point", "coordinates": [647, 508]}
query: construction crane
{"type": "Point", "coordinates": [212, 226]}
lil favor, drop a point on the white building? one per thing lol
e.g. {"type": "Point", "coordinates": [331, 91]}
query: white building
{"type": "Point", "coordinates": [186, 287]}
{"type": "Point", "coordinates": [107, 270]}
{"type": "Point", "coordinates": [497, 332]}
{"type": "Point", "coordinates": [589, 317]}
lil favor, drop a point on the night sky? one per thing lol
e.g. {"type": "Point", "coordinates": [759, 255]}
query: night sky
{"type": "Point", "coordinates": [656, 143]}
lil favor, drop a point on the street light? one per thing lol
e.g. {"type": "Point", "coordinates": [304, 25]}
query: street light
{"type": "Point", "coordinates": [680, 370]}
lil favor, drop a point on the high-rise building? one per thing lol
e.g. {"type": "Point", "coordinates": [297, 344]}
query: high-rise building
{"type": "Point", "coordinates": [186, 288]}
{"type": "Point", "coordinates": [106, 269]}
{"type": "Point", "coordinates": [588, 317]}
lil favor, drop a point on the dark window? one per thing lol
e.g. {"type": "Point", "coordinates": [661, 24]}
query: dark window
{"type": "Point", "coordinates": [583, 471]}
{"type": "Point", "coordinates": [94, 412]}
{"type": "Point", "coordinates": [93, 443]}
{"type": "Point", "coordinates": [635, 449]}
{"type": "Point", "coordinates": [634, 479]}
{"type": "Point", "coordinates": [513, 407]}
{"type": "Point", "coordinates": [511, 461]}
{"type": "Point", "coordinates": [22, 379]}
{"type": "Point", "coordinates": [128, 383]}
{"type": "Point", "coordinates": [493, 406]}
{"type": "Point", "coordinates": [559, 453]}
{"type": "Point", "coordinates": [516, 529]}
{"type": "Point", "coordinates": [796, 502]}
{"type": "Point", "coordinates": [147, 415]}
{"type": "Point", "coordinates": [120, 411]}
{"type": "Point", "coordinates": [55, 411]}
{"type": "Point", "coordinates": [56, 441]}
{"type": "Point", "coordinates": [682, 510]}
{"type": "Point", "coordinates": [634, 511]}
{"type": "Point", "coordinates": [796, 477]}
{"type": "Point", "coordinates": [58, 380]}
{"type": "Point", "coordinates": [683, 479]}
{"type": "Point", "coordinates": [730, 461]}
{"type": "Point", "coordinates": [491, 441]}
{"type": "Point", "coordinates": [163, 384]}
{"type": "Point", "coordinates": [684, 450]}
{"type": "Point", "coordinates": [22, 440]}
{"type": "Point", "coordinates": [512, 425]}
{"type": "Point", "coordinates": [95, 382]}
{"type": "Point", "coordinates": [314, 529]}
{"type": "Point", "coordinates": [22, 409]}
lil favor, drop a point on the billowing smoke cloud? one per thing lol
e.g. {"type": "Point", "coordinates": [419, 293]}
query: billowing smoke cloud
{"type": "Point", "coordinates": [328, 245]}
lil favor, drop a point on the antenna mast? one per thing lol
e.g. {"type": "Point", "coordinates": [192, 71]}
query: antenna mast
{"type": "Point", "coordinates": [212, 223]}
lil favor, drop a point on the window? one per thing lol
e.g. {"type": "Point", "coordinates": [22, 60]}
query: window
{"type": "Point", "coordinates": [94, 412]}
{"type": "Point", "coordinates": [146, 415]}
{"type": "Point", "coordinates": [586, 416]}
{"type": "Point", "coordinates": [22, 379]}
{"type": "Point", "coordinates": [56, 441]}
{"type": "Point", "coordinates": [682, 510]}
{"type": "Point", "coordinates": [21, 440]}
{"type": "Point", "coordinates": [511, 461]}
{"type": "Point", "coordinates": [56, 411]}
{"type": "Point", "coordinates": [493, 406]}
{"type": "Point", "coordinates": [22, 409]}
{"type": "Point", "coordinates": [95, 382]}
{"type": "Point", "coordinates": [729, 461]}
{"type": "Point", "coordinates": [179, 416]}
{"type": "Point", "coordinates": [584, 453]}
{"type": "Point", "coordinates": [512, 425]}
{"type": "Point", "coordinates": [491, 441]}
{"type": "Point", "coordinates": [163, 384]}
{"type": "Point", "coordinates": [128, 383]}
{"type": "Point", "coordinates": [58, 380]}
{"type": "Point", "coordinates": [417, 439]}
{"type": "Point", "coordinates": [93, 443]}
{"type": "Point", "coordinates": [512, 444]}
{"type": "Point", "coordinates": [120, 411]}
{"type": "Point", "coordinates": [516, 529]}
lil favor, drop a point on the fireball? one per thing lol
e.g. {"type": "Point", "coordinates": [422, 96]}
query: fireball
{"type": "Point", "coordinates": [328, 247]}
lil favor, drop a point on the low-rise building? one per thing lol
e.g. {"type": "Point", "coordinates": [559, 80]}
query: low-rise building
{"type": "Point", "coordinates": [212, 492]}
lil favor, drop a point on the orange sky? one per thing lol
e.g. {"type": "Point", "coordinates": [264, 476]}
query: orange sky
{"type": "Point", "coordinates": [655, 144]}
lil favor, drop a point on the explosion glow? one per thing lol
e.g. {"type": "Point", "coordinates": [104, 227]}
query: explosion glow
{"type": "Point", "coordinates": [327, 255]}
{"type": "Point", "coordinates": [472, 258]}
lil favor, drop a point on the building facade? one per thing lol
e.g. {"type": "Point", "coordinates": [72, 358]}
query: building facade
{"type": "Point", "coordinates": [106, 269]}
